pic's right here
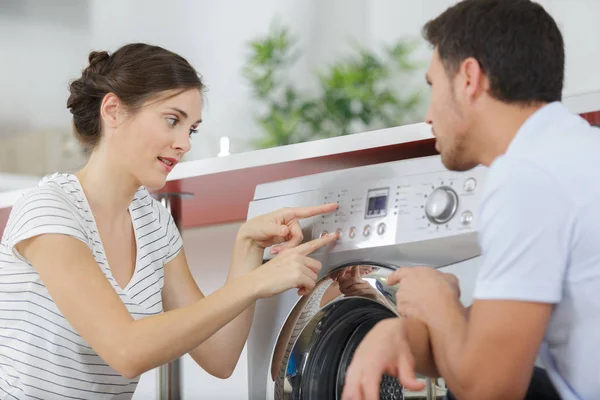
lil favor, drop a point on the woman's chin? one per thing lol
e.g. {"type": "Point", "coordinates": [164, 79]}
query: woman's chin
{"type": "Point", "coordinates": [154, 182]}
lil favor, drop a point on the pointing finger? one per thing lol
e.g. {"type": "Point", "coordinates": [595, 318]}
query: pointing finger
{"type": "Point", "coordinates": [313, 264]}
{"type": "Point", "coordinates": [295, 230]}
{"type": "Point", "coordinates": [311, 211]}
{"type": "Point", "coordinates": [314, 245]}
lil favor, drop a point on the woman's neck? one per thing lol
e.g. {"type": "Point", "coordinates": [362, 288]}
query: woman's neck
{"type": "Point", "coordinates": [108, 189]}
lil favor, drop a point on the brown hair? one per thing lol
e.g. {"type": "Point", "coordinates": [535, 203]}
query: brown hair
{"type": "Point", "coordinates": [516, 42]}
{"type": "Point", "coordinates": [134, 73]}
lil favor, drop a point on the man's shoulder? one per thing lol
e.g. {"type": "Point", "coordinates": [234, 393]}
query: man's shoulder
{"type": "Point", "coordinates": [515, 186]}
{"type": "Point", "coordinates": [513, 171]}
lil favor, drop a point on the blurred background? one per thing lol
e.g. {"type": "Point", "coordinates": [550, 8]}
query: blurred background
{"type": "Point", "coordinates": [278, 71]}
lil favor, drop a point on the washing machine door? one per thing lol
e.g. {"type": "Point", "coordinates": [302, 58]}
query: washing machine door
{"type": "Point", "coordinates": [316, 344]}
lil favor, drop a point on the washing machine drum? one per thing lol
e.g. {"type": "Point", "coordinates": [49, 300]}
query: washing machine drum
{"type": "Point", "coordinates": [317, 342]}
{"type": "Point", "coordinates": [343, 327]}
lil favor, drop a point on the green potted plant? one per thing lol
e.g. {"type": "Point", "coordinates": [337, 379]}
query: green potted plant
{"type": "Point", "coordinates": [358, 93]}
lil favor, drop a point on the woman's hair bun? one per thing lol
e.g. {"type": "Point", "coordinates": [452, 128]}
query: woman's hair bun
{"type": "Point", "coordinates": [134, 73]}
{"type": "Point", "coordinates": [97, 60]}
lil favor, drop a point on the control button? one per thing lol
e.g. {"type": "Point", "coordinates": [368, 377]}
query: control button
{"type": "Point", "coordinates": [441, 205]}
{"type": "Point", "coordinates": [323, 233]}
{"type": "Point", "coordinates": [367, 230]}
{"type": "Point", "coordinates": [466, 218]}
{"type": "Point", "coordinates": [470, 185]}
{"type": "Point", "coordinates": [381, 228]}
{"type": "Point", "coordinates": [339, 232]}
{"type": "Point", "coordinates": [352, 233]}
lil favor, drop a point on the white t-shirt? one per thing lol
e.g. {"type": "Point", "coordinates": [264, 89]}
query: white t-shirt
{"type": "Point", "coordinates": [41, 355]}
{"type": "Point", "coordinates": [540, 240]}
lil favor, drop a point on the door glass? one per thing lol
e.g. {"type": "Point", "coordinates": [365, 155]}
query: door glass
{"type": "Point", "coordinates": [317, 342]}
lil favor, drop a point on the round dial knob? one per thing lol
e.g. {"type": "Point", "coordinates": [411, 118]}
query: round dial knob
{"type": "Point", "coordinates": [441, 205]}
{"type": "Point", "coordinates": [352, 233]}
{"type": "Point", "coordinates": [367, 230]}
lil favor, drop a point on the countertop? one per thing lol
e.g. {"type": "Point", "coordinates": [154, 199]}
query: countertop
{"type": "Point", "coordinates": [222, 187]}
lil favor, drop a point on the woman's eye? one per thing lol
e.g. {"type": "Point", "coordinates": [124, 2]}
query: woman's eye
{"type": "Point", "coordinates": [172, 121]}
{"type": "Point", "coordinates": [193, 131]}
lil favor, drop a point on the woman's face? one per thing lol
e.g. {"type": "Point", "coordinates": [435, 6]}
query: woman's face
{"type": "Point", "coordinates": [155, 138]}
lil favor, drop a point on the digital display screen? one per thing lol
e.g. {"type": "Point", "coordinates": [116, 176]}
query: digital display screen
{"type": "Point", "coordinates": [377, 203]}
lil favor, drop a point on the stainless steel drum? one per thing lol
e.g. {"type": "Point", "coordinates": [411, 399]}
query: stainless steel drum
{"type": "Point", "coordinates": [318, 340]}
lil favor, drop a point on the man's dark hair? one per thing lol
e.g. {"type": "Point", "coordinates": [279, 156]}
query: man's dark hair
{"type": "Point", "coordinates": [516, 42]}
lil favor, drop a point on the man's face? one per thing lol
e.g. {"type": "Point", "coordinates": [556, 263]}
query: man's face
{"type": "Point", "coordinates": [447, 116]}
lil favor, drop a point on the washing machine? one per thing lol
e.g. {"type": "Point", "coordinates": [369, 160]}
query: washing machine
{"type": "Point", "coordinates": [391, 215]}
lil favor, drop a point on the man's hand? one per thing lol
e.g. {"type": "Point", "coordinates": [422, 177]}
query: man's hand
{"type": "Point", "coordinates": [385, 350]}
{"type": "Point", "coordinates": [424, 292]}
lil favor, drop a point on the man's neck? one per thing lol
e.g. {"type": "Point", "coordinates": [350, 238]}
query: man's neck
{"type": "Point", "coordinates": [499, 126]}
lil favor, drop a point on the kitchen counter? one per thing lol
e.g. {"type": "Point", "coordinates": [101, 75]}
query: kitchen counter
{"type": "Point", "coordinates": [222, 187]}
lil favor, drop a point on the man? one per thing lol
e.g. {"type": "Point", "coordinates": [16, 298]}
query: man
{"type": "Point", "coordinates": [496, 76]}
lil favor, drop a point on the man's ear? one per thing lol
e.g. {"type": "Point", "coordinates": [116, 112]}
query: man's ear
{"type": "Point", "coordinates": [475, 81]}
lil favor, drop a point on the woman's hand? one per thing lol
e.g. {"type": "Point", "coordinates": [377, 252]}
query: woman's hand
{"type": "Point", "coordinates": [292, 268]}
{"type": "Point", "coordinates": [281, 226]}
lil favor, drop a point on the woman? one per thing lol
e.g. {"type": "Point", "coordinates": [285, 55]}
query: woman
{"type": "Point", "coordinates": [94, 284]}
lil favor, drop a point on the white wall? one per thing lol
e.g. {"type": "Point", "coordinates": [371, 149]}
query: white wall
{"type": "Point", "coordinates": [578, 21]}
{"type": "Point", "coordinates": [214, 39]}
{"type": "Point", "coordinates": [389, 20]}
{"type": "Point", "coordinates": [9, 182]}
{"type": "Point", "coordinates": [42, 46]}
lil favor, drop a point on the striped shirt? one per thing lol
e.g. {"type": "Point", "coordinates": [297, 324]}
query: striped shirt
{"type": "Point", "coordinates": [41, 355]}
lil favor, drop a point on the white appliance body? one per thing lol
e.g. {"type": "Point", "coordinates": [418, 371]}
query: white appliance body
{"type": "Point", "coordinates": [391, 215]}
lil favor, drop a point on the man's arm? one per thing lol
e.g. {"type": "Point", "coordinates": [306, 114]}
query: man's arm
{"type": "Point", "coordinates": [491, 356]}
{"type": "Point", "coordinates": [417, 334]}
{"type": "Point", "coordinates": [420, 343]}
{"type": "Point", "coordinates": [525, 235]}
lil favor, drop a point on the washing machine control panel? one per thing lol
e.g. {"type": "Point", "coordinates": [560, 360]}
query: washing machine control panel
{"type": "Point", "coordinates": [407, 208]}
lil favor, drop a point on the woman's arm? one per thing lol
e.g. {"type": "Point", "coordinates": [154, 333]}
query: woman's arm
{"type": "Point", "coordinates": [90, 304]}
{"type": "Point", "coordinates": [219, 354]}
